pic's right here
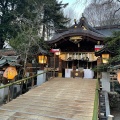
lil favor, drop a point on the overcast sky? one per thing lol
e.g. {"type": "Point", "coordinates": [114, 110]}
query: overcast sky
{"type": "Point", "coordinates": [77, 7]}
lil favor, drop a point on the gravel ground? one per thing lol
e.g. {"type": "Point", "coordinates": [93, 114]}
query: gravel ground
{"type": "Point", "coordinates": [116, 115]}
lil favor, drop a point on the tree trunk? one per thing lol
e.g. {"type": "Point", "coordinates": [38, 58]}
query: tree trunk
{"type": "Point", "coordinates": [43, 32]}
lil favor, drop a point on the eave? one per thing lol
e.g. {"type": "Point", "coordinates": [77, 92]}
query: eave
{"type": "Point", "coordinates": [76, 32]}
{"type": "Point", "coordinates": [104, 50]}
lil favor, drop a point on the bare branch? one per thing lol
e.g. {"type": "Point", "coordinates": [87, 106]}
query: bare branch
{"type": "Point", "coordinates": [100, 15]}
{"type": "Point", "coordinates": [107, 2]}
{"type": "Point", "coordinates": [115, 12]}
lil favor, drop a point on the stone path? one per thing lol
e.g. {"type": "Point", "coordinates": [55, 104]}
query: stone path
{"type": "Point", "coordinates": [57, 99]}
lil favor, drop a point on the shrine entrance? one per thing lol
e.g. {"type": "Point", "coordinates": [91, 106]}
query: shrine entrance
{"type": "Point", "coordinates": [77, 49]}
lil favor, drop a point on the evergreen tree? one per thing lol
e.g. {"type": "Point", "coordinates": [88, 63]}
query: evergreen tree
{"type": "Point", "coordinates": [53, 17]}
{"type": "Point", "coordinates": [113, 44]}
{"type": "Point", "coordinates": [13, 12]}
{"type": "Point", "coordinates": [10, 12]}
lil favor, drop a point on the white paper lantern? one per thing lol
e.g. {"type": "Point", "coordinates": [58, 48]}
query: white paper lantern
{"type": "Point", "coordinates": [68, 55]}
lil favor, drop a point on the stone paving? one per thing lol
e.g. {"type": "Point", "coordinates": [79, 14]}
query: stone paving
{"type": "Point", "coordinates": [57, 99]}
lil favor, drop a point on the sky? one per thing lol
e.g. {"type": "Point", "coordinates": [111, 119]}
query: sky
{"type": "Point", "coordinates": [77, 7]}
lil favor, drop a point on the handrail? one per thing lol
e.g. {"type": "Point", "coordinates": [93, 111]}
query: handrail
{"type": "Point", "coordinates": [96, 102]}
{"type": "Point", "coordinates": [21, 80]}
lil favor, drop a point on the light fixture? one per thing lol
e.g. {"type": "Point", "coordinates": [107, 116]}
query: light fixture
{"type": "Point", "coordinates": [78, 45]}
{"type": "Point", "coordinates": [55, 45]}
{"type": "Point", "coordinates": [105, 58]}
{"type": "Point", "coordinates": [98, 42]}
{"type": "Point", "coordinates": [42, 59]}
{"type": "Point", "coordinates": [118, 76]}
{"type": "Point", "coordinates": [10, 73]}
{"type": "Point", "coordinates": [57, 53]}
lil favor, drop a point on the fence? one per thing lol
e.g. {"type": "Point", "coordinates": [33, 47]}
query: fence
{"type": "Point", "coordinates": [23, 82]}
{"type": "Point", "coordinates": [96, 103]}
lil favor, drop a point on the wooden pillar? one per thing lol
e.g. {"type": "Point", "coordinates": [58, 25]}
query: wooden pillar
{"type": "Point", "coordinates": [99, 61]}
{"type": "Point", "coordinates": [54, 65]}
{"type": "Point", "coordinates": [60, 68]}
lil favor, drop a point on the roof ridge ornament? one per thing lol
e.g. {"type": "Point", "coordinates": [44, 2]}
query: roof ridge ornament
{"type": "Point", "coordinates": [75, 23]}
{"type": "Point", "coordinates": [82, 14]}
{"type": "Point", "coordinates": [83, 17]}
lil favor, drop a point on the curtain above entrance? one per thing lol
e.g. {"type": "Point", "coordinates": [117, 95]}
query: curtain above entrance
{"type": "Point", "coordinates": [78, 56]}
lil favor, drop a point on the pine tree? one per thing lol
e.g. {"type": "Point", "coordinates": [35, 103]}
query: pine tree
{"type": "Point", "coordinates": [113, 44]}
{"type": "Point", "coordinates": [14, 12]}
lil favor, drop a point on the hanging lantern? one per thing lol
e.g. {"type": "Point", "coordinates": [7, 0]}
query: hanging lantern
{"type": "Point", "coordinates": [118, 76]}
{"type": "Point", "coordinates": [81, 56]}
{"type": "Point", "coordinates": [10, 73]}
{"type": "Point", "coordinates": [95, 58]}
{"type": "Point", "coordinates": [57, 53]}
{"type": "Point", "coordinates": [62, 57]}
{"type": "Point", "coordinates": [75, 56]}
{"type": "Point", "coordinates": [68, 55]}
{"type": "Point", "coordinates": [42, 59]}
{"type": "Point", "coordinates": [71, 56]}
{"type": "Point", "coordinates": [105, 58]}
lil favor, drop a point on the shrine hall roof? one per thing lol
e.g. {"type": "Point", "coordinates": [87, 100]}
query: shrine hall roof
{"type": "Point", "coordinates": [82, 28]}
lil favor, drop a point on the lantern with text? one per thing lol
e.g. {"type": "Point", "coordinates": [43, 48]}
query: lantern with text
{"type": "Point", "coordinates": [118, 76]}
{"type": "Point", "coordinates": [105, 58]}
{"type": "Point", "coordinates": [42, 59]}
{"type": "Point", "coordinates": [10, 73]}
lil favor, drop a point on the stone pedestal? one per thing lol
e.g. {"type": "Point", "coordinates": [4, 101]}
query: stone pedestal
{"type": "Point", "coordinates": [110, 117]}
{"type": "Point", "coordinates": [105, 80]}
{"type": "Point", "coordinates": [41, 78]}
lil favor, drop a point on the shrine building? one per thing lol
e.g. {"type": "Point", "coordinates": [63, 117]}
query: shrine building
{"type": "Point", "coordinates": [75, 49]}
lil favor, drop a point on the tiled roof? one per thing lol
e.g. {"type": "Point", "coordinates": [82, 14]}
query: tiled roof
{"type": "Point", "coordinates": [7, 52]}
{"type": "Point", "coordinates": [105, 49]}
{"type": "Point", "coordinates": [82, 28]}
{"type": "Point", "coordinates": [11, 60]}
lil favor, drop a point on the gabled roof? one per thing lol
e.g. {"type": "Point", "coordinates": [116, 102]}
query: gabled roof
{"type": "Point", "coordinates": [82, 28]}
{"type": "Point", "coordinates": [76, 32]}
{"type": "Point", "coordinates": [7, 51]}
{"type": "Point", "coordinates": [42, 51]}
{"type": "Point", "coordinates": [105, 49]}
{"type": "Point", "coordinates": [83, 24]}
{"type": "Point", "coordinates": [10, 60]}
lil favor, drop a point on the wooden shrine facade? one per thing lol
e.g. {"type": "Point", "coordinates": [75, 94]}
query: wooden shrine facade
{"type": "Point", "coordinates": [77, 48]}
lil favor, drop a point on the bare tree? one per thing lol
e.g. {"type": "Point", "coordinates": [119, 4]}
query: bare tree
{"type": "Point", "coordinates": [100, 15]}
{"type": "Point", "coordinates": [70, 13]}
{"type": "Point", "coordinates": [103, 2]}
